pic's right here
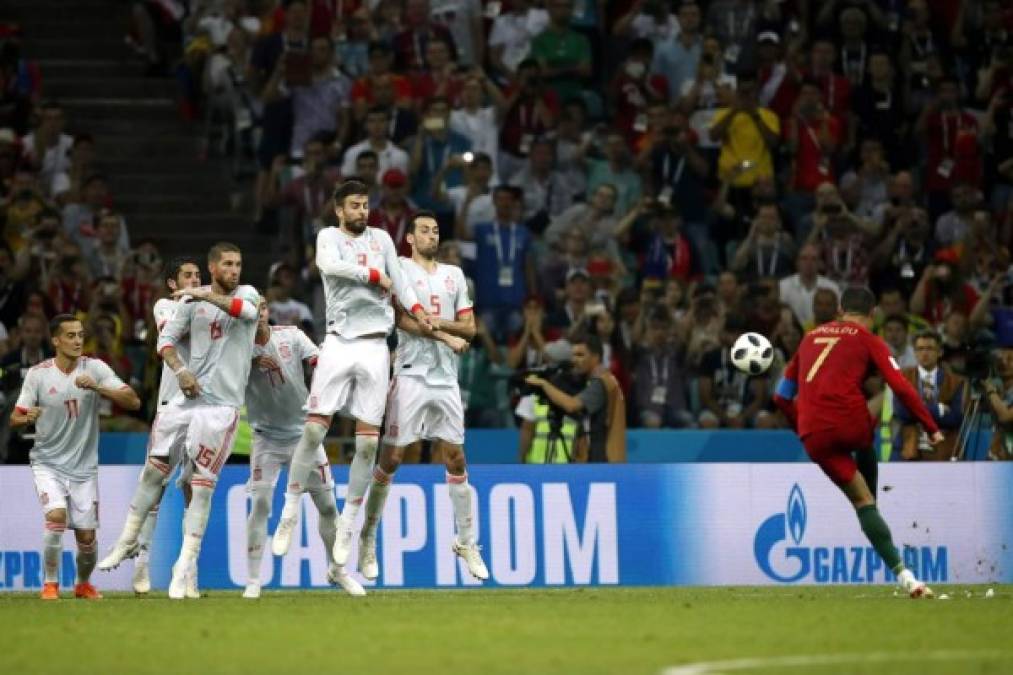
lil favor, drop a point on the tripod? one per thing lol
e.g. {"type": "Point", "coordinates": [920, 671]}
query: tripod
{"type": "Point", "coordinates": [970, 425]}
{"type": "Point", "coordinates": [557, 441]}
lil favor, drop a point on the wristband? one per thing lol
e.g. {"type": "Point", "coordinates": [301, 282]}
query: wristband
{"type": "Point", "coordinates": [417, 307]}
{"type": "Point", "coordinates": [374, 276]}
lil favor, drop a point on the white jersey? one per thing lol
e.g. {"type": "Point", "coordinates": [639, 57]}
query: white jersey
{"type": "Point", "coordinates": [221, 345]}
{"type": "Point", "coordinates": [275, 398]}
{"type": "Point", "coordinates": [168, 386]}
{"type": "Point", "coordinates": [349, 268]}
{"type": "Point", "coordinates": [445, 291]}
{"type": "Point", "coordinates": [66, 433]}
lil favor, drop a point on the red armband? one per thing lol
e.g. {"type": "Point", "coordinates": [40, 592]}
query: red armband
{"type": "Point", "coordinates": [466, 310]}
{"type": "Point", "coordinates": [161, 351]}
{"type": "Point", "coordinates": [20, 410]}
{"type": "Point", "coordinates": [374, 276]}
{"type": "Point", "coordinates": [416, 307]}
{"type": "Point", "coordinates": [236, 308]}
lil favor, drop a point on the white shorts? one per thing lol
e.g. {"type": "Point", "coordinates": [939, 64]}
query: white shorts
{"type": "Point", "coordinates": [167, 439]}
{"type": "Point", "coordinates": [78, 497]}
{"type": "Point", "coordinates": [416, 411]}
{"type": "Point", "coordinates": [269, 456]}
{"type": "Point", "coordinates": [351, 379]}
{"type": "Point", "coordinates": [208, 432]}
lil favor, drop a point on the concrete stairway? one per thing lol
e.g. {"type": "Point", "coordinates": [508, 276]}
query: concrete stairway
{"type": "Point", "coordinates": [165, 191]}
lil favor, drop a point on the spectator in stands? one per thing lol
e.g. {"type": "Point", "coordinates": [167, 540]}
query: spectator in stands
{"type": "Point", "coordinates": [677, 57]}
{"type": "Point", "coordinates": [419, 30]}
{"type": "Point", "coordinates": [437, 156]}
{"type": "Point", "coordinates": [777, 77]}
{"type": "Point", "coordinates": [865, 188]}
{"type": "Point", "coordinates": [678, 171]}
{"type": "Point", "coordinates": [473, 201]}
{"type": "Point", "coordinates": [616, 169]}
{"type": "Point", "coordinates": [527, 348]}
{"type": "Point", "coordinates": [79, 218]}
{"type": "Point", "coordinates": [12, 290]}
{"type": "Point", "coordinates": [634, 87]}
{"type": "Point", "coordinates": [320, 105]}
{"type": "Point", "coordinates": [546, 193]}
{"type": "Point", "coordinates": [395, 211]}
{"type": "Point", "coordinates": [748, 135]}
{"type": "Point", "coordinates": [734, 23]}
{"type": "Point", "coordinates": [649, 20]}
{"type": "Point", "coordinates": [950, 135]}
{"type": "Point", "coordinates": [532, 109]}
{"type": "Point", "coordinates": [854, 45]}
{"type": "Point", "coordinates": [103, 254]}
{"type": "Point", "coordinates": [668, 252]}
{"type": "Point", "coordinates": [812, 135]}
{"type": "Point", "coordinates": [69, 283]}
{"type": "Point", "coordinates": [404, 122]}
{"type": "Point", "coordinates": [47, 149]}
{"type": "Point", "coordinates": [105, 343]}
{"type": "Point", "coordinates": [366, 167]}
{"type": "Point", "coordinates": [307, 195]}
{"type": "Point", "coordinates": [893, 302]}
{"type": "Point", "coordinates": [20, 86]}
{"type": "Point", "coordinates": [29, 346]}
{"type": "Point", "coordinates": [595, 219]}
{"type": "Point", "coordinates": [942, 392]}
{"type": "Point", "coordinates": [997, 131]}
{"type": "Point", "coordinates": [365, 89]}
{"type": "Point", "coordinates": [511, 36]}
{"type": "Point", "coordinates": [439, 75]}
{"type": "Point", "coordinates": [879, 111]}
{"type": "Point", "coordinates": [729, 398]}
{"type": "Point", "coordinates": [999, 398]}
{"type": "Point", "coordinates": [895, 335]}
{"type": "Point", "coordinates": [576, 296]}
{"type": "Point", "coordinates": [476, 374]}
{"type": "Point", "coordinates": [155, 24]}
{"type": "Point", "coordinates": [504, 266]}
{"type": "Point", "coordinates": [564, 53]}
{"type": "Point", "coordinates": [768, 251]}
{"type": "Point", "coordinates": [141, 285]}
{"type": "Point", "coordinates": [797, 290]}
{"type": "Point", "coordinates": [942, 289]}
{"type": "Point", "coordinates": [659, 396]}
{"type": "Point", "coordinates": [954, 225]}
{"type": "Point", "coordinates": [22, 208]}
{"type": "Point", "coordinates": [389, 156]}
{"type": "Point", "coordinates": [842, 236]}
{"type": "Point", "coordinates": [571, 252]}
{"type": "Point", "coordinates": [283, 308]}
{"type": "Point", "coordinates": [474, 120]}
{"type": "Point", "coordinates": [834, 87]}
{"type": "Point", "coordinates": [66, 185]}
{"type": "Point", "coordinates": [825, 306]}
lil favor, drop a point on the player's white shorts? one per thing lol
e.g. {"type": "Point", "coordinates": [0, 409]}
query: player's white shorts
{"type": "Point", "coordinates": [167, 439]}
{"type": "Point", "coordinates": [417, 411]}
{"type": "Point", "coordinates": [269, 456]}
{"type": "Point", "coordinates": [208, 432]}
{"type": "Point", "coordinates": [78, 497]}
{"type": "Point", "coordinates": [351, 378]}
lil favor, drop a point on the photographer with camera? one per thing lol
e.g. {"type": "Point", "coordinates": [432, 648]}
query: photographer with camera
{"type": "Point", "coordinates": [842, 236]}
{"type": "Point", "coordinates": [999, 398]}
{"type": "Point", "coordinates": [600, 403]}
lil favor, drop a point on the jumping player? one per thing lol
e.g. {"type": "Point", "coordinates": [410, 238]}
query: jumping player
{"type": "Point", "coordinates": [359, 268]}
{"type": "Point", "coordinates": [182, 273]}
{"type": "Point", "coordinates": [833, 422]}
{"type": "Point", "coordinates": [424, 400]}
{"type": "Point", "coordinates": [60, 396]}
{"type": "Point", "coordinates": [221, 321]}
{"type": "Point", "coordinates": [275, 395]}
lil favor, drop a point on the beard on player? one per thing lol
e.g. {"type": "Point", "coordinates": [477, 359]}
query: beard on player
{"type": "Point", "coordinates": [428, 249]}
{"type": "Point", "coordinates": [227, 281]}
{"type": "Point", "coordinates": [356, 225]}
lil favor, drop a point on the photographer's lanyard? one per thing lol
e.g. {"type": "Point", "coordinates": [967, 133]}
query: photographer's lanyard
{"type": "Point", "coordinates": [499, 246]}
{"type": "Point", "coordinates": [655, 372]}
{"type": "Point", "coordinates": [733, 29]}
{"type": "Point", "coordinates": [854, 66]}
{"type": "Point", "coordinates": [671, 179]}
{"type": "Point", "coordinates": [848, 259]}
{"type": "Point", "coordinates": [773, 260]}
{"type": "Point", "coordinates": [431, 162]}
{"type": "Point", "coordinates": [944, 121]}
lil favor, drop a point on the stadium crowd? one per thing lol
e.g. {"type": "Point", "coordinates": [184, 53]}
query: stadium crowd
{"type": "Point", "coordinates": [666, 175]}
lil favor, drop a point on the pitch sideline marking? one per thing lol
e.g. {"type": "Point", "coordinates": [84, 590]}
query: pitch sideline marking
{"type": "Point", "coordinates": [801, 661]}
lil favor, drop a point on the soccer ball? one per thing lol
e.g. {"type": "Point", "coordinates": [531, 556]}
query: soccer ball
{"type": "Point", "coordinates": [752, 353]}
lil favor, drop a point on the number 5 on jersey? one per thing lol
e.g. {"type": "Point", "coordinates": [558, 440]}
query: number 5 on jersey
{"type": "Point", "coordinates": [828, 346]}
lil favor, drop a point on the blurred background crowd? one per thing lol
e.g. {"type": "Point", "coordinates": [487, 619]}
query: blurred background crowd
{"type": "Point", "coordinates": [664, 174]}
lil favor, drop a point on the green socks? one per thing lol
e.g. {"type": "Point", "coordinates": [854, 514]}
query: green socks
{"type": "Point", "coordinates": [878, 533]}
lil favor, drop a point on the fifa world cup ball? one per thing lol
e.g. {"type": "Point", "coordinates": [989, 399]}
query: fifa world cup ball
{"type": "Point", "coordinates": [752, 353]}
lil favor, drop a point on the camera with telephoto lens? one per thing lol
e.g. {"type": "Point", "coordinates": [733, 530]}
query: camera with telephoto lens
{"type": "Point", "coordinates": [560, 376]}
{"type": "Point", "coordinates": [979, 364]}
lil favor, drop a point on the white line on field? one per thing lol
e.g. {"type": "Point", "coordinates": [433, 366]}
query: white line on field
{"type": "Point", "coordinates": [802, 661]}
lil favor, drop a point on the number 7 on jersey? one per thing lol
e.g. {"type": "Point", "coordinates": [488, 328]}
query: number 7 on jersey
{"type": "Point", "coordinates": [828, 345]}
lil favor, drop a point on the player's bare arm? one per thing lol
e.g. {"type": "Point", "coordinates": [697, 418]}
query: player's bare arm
{"type": "Point", "coordinates": [20, 418]}
{"type": "Point", "coordinates": [570, 404]}
{"type": "Point", "coordinates": [125, 397]}
{"type": "Point", "coordinates": [234, 306]}
{"type": "Point", "coordinates": [187, 381]}
{"type": "Point", "coordinates": [410, 323]}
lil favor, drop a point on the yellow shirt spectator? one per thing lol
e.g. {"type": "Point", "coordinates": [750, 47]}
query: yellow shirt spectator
{"type": "Point", "coordinates": [744, 142]}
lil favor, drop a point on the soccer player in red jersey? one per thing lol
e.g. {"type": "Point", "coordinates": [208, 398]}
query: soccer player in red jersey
{"type": "Point", "coordinates": [821, 394]}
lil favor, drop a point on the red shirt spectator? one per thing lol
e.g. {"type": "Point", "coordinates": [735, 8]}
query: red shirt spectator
{"type": "Point", "coordinates": [394, 212]}
{"type": "Point", "coordinates": [951, 135]}
{"type": "Point", "coordinates": [813, 134]}
{"type": "Point", "coordinates": [635, 88]}
{"type": "Point", "coordinates": [411, 43]}
{"type": "Point", "coordinates": [531, 114]}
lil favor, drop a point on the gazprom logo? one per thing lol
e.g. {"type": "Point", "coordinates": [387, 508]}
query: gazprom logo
{"type": "Point", "coordinates": [781, 556]}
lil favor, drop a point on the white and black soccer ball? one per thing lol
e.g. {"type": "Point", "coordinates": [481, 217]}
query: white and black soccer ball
{"type": "Point", "coordinates": [752, 353]}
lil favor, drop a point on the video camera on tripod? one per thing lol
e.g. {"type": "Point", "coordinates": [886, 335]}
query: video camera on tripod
{"type": "Point", "coordinates": [979, 367]}
{"type": "Point", "coordinates": [562, 377]}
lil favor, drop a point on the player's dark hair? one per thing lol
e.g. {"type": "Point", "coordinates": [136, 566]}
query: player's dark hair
{"type": "Point", "coordinates": [56, 323]}
{"type": "Point", "coordinates": [858, 300]}
{"type": "Point", "coordinates": [928, 334]}
{"type": "Point", "coordinates": [215, 254]}
{"type": "Point", "coordinates": [349, 188]}
{"type": "Point", "coordinates": [418, 215]}
{"type": "Point", "coordinates": [174, 266]}
{"type": "Point", "coordinates": [592, 342]}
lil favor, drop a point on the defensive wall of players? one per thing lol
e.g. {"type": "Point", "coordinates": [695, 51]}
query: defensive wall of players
{"type": "Point", "coordinates": [635, 524]}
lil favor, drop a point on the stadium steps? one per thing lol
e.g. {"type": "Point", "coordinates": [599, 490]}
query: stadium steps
{"type": "Point", "coordinates": [159, 179]}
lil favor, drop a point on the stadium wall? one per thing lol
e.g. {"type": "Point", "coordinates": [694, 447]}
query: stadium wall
{"type": "Point", "coordinates": [648, 524]}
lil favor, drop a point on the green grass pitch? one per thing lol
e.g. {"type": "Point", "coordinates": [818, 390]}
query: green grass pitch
{"type": "Point", "coordinates": [854, 629]}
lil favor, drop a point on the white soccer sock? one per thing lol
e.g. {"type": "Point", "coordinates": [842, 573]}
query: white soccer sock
{"type": "Point", "coordinates": [195, 521]}
{"type": "Point", "coordinates": [460, 497]}
{"type": "Point", "coordinates": [359, 475]}
{"type": "Point", "coordinates": [87, 556]}
{"type": "Point", "coordinates": [378, 491]}
{"type": "Point", "coordinates": [52, 550]}
{"type": "Point", "coordinates": [303, 461]}
{"type": "Point", "coordinates": [256, 531]}
{"type": "Point", "coordinates": [327, 523]}
{"type": "Point", "coordinates": [147, 532]}
{"type": "Point", "coordinates": [148, 493]}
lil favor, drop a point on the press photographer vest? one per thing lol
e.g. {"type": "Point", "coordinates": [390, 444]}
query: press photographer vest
{"type": "Point", "coordinates": [540, 443]}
